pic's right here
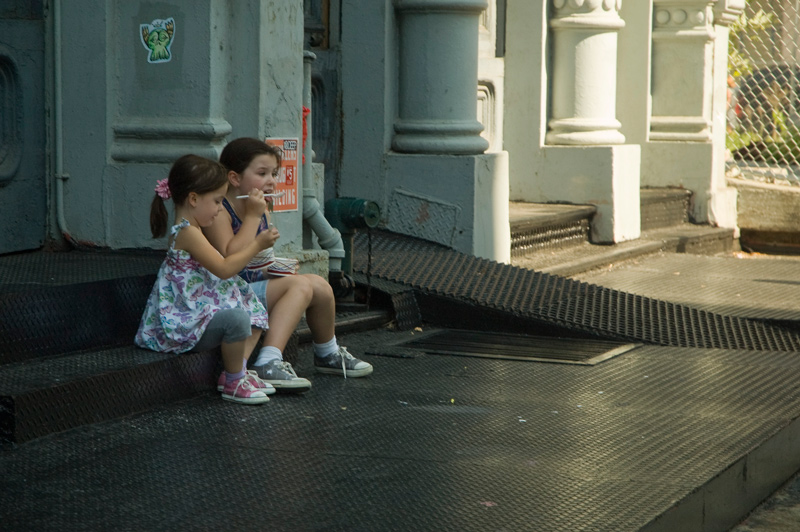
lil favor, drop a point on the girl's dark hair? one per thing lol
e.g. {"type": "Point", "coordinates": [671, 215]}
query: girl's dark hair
{"type": "Point", "coordinates": [239, 153]}
{"type": "Point", "coordinates": [190, 173]}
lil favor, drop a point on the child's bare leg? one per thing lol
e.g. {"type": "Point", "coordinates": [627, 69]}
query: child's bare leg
{"type": "Point", "coordinates": [321, 311]}
{"type": "Point", "coordinates": [287, 300]}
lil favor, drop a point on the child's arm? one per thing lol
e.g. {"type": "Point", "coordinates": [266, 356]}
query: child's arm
{"type": "Point", "coordinates": [192, 240]}
{"type": "Point", "coordinates": [221, 235]}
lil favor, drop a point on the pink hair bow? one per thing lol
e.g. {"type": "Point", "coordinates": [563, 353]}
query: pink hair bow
{"type": "Point", "coordinates": [162, 189]}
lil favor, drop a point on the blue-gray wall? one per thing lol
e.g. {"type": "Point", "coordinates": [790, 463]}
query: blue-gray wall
{"type": "Point", "coordinates": [235, 69]}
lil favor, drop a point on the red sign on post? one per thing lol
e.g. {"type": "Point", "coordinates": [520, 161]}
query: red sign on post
{"type": "Point", "coordinates": [288, 177]}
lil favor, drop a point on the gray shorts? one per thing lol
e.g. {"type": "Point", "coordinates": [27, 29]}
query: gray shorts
{"type": "Point", "coordinates": [227, 326]}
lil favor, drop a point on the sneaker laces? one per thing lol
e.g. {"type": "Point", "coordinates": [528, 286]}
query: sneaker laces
{"type": "Point", "coordinates": [254, 378]}
{"type": "Point", "coordinates": [344, 354]}
{"type": "Point", "coordinates": [245, 384]}
{"type": "Point", "coordinates": [287, 367]}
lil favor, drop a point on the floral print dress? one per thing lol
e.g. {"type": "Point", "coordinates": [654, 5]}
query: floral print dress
{"type": "Point", "coordinates": [184, 299]}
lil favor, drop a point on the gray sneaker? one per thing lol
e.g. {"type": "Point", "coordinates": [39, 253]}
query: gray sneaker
{"type": "Point", "coordinates": [342, 363]}
{"type": "Point", "coordinates": [281, 375]}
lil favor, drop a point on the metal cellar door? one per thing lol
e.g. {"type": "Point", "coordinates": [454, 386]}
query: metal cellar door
{"type": "Point", "coordinates": [23, 191]}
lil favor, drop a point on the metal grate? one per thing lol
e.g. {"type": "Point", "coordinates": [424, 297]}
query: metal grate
{"type": "Point", "coordinates": [560, 302]}
{"type": "Point", "coordinates": [40, 322]}
{"type": "Point", "coordinates": [764, 93]}
{"type": "Point", "coordinates": [663, 207]}
{"type": "Point", "coordinates": [556, 236]}
{"type": "Point", "coordinates": [518, 347]}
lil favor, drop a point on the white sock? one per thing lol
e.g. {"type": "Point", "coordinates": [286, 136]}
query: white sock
{"type": "Point", "coordinates": [321, 350]}
{"type": "Point", "coordinates": [268, 354]}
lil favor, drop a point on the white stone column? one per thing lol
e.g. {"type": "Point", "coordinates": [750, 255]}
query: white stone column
{"type": "Point", "coordinates": [439, 183]}
{"type": "Point", "coordinates": [682, 87]}
{"type": "Point", "coordinates": [585, 73]}
{"type": "Point", "coordinates": [687, 127]}
{"type": "Point", "coordinates": [438, 73]}
{"type": "Point", "coordinates": [585, 158]}
{"type": "Point", "coordinates": [723, 203]}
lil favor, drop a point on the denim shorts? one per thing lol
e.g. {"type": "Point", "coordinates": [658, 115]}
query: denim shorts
{"type": "Point", "coordinates": [260, 288]}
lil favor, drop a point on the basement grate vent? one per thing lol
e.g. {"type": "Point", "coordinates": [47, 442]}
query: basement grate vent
{"type": "Point", "coordinates": [518, 347]}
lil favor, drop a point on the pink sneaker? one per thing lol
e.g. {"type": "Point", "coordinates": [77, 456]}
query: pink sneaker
{"type": "Point", "coordinates": [243, 391]}
{"type": "Point", "coordinates": [265, 387]}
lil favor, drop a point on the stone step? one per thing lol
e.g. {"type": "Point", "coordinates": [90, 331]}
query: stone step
{"type": "Point", "coordinates": [685, 238]}
{"type": "Point", "coordinates": [663, 207]}
{"type": "Point", "coordinates": [555, 238]}
{"type": "Point", "coordinates": [543, 226]}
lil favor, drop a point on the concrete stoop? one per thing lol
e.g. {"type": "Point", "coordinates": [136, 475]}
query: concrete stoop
{"type": "Point", "coordinates": [554, 238]}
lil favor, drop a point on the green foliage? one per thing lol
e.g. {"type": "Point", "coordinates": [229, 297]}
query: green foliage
{"type": "Point", "coordinates": [784, 149]}
{"type": "Point", "coordinates": [781, 149]}
{"type": "Point", "coordinates": [739, 139]}
{"type": "Point", "coordinates": [750, 28]}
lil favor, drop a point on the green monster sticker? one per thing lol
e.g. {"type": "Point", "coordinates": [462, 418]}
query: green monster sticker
{"type": "Point", "coordinates": [157, 37]}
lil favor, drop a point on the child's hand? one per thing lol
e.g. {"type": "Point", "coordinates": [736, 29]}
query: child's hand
{"type": "Point", "coordinates": [266, 239]}
{"type": "Point", "coordinates": [255, 205]}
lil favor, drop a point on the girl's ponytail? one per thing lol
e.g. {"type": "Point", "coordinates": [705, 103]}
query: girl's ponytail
{"type": "Point", "coordinates": [158, 217]}
{"type": "Point", "coordinates": [190, 173]}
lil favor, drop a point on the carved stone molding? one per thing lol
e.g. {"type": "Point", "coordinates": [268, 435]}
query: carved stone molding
{"type": "Point", "coordinates": [596, 14]}
{"type": "Point", "coordinates": [683, 33]}
{"type": "Point", "coordinates": [683, 19]}
{"type": "Point", "coordinates": [584, 74]}
{"type": "Point", "coordinates": [140, 139]}
{"type": "Point", "coordinates": [437, 77]}
{"type": "Point", "coordinates": [727, 11]}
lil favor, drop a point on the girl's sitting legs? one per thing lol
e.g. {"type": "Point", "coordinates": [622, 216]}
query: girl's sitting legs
{"type": "Point", "coordinates": [287, 299]}
{"type": "Point", "coordinates": [230, 329]}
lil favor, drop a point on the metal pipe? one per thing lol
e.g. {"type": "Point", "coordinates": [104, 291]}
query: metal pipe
{"type": "Point", "coordinates": [329, 238]}
{"type": "Point", "coordinates": [58, 136]}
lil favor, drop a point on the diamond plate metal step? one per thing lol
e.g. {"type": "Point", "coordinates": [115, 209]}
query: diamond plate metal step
{"type": "Point", "coordinates": [475, 289]}
{"type": "Point", "coordinates": [663, 207]}
{"type": "Point", "coordinates": [67, 322]}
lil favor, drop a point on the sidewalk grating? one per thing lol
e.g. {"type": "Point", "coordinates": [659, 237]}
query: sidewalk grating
{"type": "Point", "coordinates": [517, 347]}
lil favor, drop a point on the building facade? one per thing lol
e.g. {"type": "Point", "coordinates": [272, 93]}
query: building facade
{"type": "Point", "coordinates": [439, 111]}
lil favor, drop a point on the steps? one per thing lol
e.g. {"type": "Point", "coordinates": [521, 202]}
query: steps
{"type": "Point", "coordinates": [67, 322]}
{"type": "Point", "coordinates": [67, 319]}
{"type": "Point", "coordinates": [555, 238]}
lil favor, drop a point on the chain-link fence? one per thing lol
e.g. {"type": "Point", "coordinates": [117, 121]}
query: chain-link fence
{"type": "Point", "coordinates": [764, 92]}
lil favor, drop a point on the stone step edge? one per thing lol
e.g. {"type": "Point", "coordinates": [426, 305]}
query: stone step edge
{"type": "Point", "coordinates": [526, 217]}
{"type": "Point", "coordinates": [653, 241]}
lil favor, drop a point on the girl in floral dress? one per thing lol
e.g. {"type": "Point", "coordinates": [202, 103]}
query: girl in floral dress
{"type": "Point", "coordinates": [199, 301]}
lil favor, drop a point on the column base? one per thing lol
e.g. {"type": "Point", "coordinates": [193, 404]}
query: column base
{"type": "Point", "coordinates": [584, 132]}
{"type": "Point", "coordinates": [604, 176]}
{"type": "Point", "coordinates": [457, 201]}
{"type": "Point", "coordinates": [681, 164]}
